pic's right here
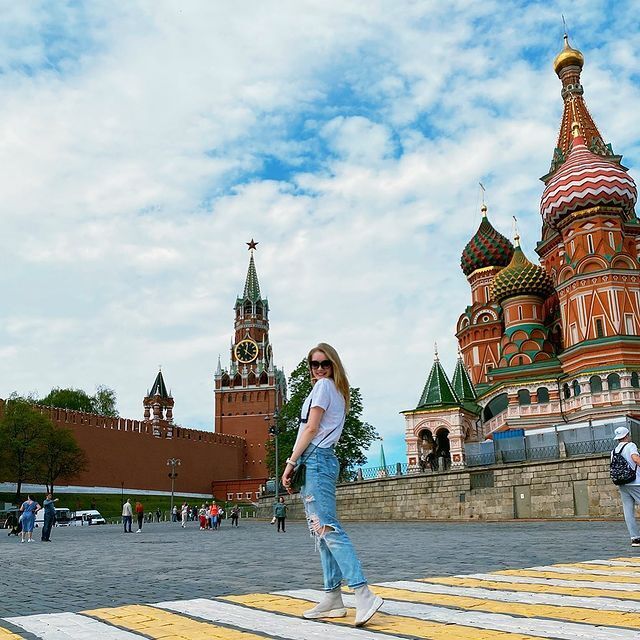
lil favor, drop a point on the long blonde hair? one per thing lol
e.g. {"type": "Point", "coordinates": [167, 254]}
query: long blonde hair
{"type": "Point", "coordinates": [339, 375]}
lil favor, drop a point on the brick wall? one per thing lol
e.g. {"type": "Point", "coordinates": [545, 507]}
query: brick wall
{"type": "Point", "coordinates": [576, 487]}
{"type": "Point", "coordinates": [125, 450]}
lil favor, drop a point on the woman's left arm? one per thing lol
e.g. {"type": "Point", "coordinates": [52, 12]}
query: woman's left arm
{"type": "Point", "coordinates": [307, 435]}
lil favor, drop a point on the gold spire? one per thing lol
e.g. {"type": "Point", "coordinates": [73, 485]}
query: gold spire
{"type": "Point", "coordinates": [483, 208]}
{"type": "Point", "coordinates": [568, 57]}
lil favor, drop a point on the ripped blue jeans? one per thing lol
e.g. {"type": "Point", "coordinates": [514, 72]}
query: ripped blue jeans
{"type": "Point", "coordinates": [337, 555]}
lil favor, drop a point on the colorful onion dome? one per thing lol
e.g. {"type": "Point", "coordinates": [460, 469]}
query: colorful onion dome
{"type": "Point", "coordinates": [568, 57]}
{"type": "Point", "coordinates": [586, 180]}
{"type": "Point", "coordinates": [521, 277]}
{"type": "Point", "coordinates": [487, 248]}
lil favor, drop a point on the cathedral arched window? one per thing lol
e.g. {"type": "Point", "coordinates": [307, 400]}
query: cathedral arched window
{"type": "Point", "coordinates": [259, 309]}
{"type": "Point", "coordinates": [248, 308]}
{"type": "Point", "coordinates": [524, 397]}
{"type": "Point", "coordinates": [566, 391]}
{"type": "Point", "coordinates": [595, 384]}
{"type": "Point", "coordinates": [237, 380]}
{"type": "Point", "coordinates": [244, 397]}
{"type": "Point", "coordinates": [576, 388]}
{"type": "Point", "coordinates": [613, 381]}
{"type": "Point", "coordinates": [543, 395]}
{"type": "Point", "coordinates": [635, 380]}
{"type": "Point", "coordinates": [264, 379]}
{"type": "Point", "coordinates": [496, 405]}
{"type": "Point", "coordinates": [590, 243]}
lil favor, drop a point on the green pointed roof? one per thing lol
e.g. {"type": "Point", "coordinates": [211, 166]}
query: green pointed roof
{"type": "Point", "coordinates": [159, 387]}
{"type": "Point", "coordinates": [462, 384]}
{"type": "Point", "coordinates": [383, 461]}
{"type": "Point", "coordinates": [251, 285]}
{"type": "Point", "coordinates": [487, 248]}
{"type": "Point", "coordinates": [438, 392]}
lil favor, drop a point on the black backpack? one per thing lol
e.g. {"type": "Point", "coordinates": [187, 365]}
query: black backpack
{"type": "Point", "coordinates": [620, 470]}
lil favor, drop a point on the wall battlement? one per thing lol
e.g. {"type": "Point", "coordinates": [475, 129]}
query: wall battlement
{"type": "Point", "coordinates": [127, 452]}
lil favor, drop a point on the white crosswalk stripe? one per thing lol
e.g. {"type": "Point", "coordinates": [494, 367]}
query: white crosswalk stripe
{"type": "Point", "coordinates": [585, 572]}
{"type": "Point", "coordinates": [269, 623]}
{"type": "Point", "coordinates": [496, 621]}
{"type": "Point", "coordinates": [613, 563]}
{"type": "Point", "coordinates": [582, 584]}
{"type": "Point", "coordinates": [525, 597]}
{"type": "Point", "coordinates": [70, 626]}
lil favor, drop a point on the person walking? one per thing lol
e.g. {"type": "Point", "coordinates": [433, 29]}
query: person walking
{"type": "Point", "coordinates": [213, 515]}
{"type": "Point", "coordinates": [321, 423]}
{"type": "Point", "coordinates": [280, 512]}
{"type": "Point", "coordinates": [127, 516]}
{"type": "Point", "coordinates": [184, 513]}
{"type": "Point", "coordinates": [235, 514]}
{"type": "Point", "coordinates": [49, 506]}
{"type": "Point", "coordinates": [629, 492]}
{"type": "Point", "coordinates": [29, 508]}
{"type": "Point", "coordinates": [158, 514]}
{"type": "Point", "coordinates": [140, 514]}
{"type": "Point", "coordinates": [202, 516]}
{"type": "Point", "coordinates": [174, 514]}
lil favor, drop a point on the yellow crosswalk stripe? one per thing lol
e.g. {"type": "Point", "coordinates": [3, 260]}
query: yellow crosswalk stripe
{"type": "Point", "coordinates": [573, 614]}
{"type": "Point", "coordinates": [381, 622]}
{"type": "Point", "coordinates": [5, 634]}
{"type": "Point", "coordinates": [536, 588]}
{"type": "Point", "coordinates": [532, 573]}
{"type": "Point", "coordinates": [158, 623]}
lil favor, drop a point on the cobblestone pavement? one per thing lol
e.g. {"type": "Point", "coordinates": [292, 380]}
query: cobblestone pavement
{"type": "Point", "coordinates": [112, 574]}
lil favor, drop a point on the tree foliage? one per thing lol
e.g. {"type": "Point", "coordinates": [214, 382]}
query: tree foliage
{"type": "Point", "coordinates": [22, 429]}
{"type": "Point", "coordinates": [33, 449]}
{"type": "Point", "coordinates": [356, 438]}
{"type": "Point", "coordinates": [61, 457]}
{"type": "Point", "coordinates": [103, 402]}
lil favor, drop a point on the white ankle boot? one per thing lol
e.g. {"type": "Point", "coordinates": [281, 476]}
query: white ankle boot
{"type": "Point", "coordinates": [367, 603]}
{"type": "Point", "coordinates": [331, 606]}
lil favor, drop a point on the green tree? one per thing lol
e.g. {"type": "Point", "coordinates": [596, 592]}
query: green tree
{"type": "Point", "coordinates": [22, 433]}
{"type": "Point", "coordinates": [102, 403]}
{"type": "Point", "coordinates": [356, 437]}
{"type": "Point", "coordinates": [61, 456]}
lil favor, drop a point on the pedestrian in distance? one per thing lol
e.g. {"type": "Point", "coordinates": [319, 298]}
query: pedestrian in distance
{"type": "Point", "coordinates": [29, 508]}
{"type": "Point", "coordinates": [280, 512]}
{"type": "Point", "coordinates": [202, 516]}
{"type": "Point", "coordinates": [220, 515]}
{"type": "Point", "coordinates": [213, 515]}
{"type": "Point", "coordinates": [184, 514]}
{"type": "Point", "coordinates": [235, 515]}
{"type": "Point", "coordinates": [321, 423]}
{"type": "Point", "coordinates": [625, 457]}
{"type": "Point", "coordinates": [158, 514]}
{"type": "Point", "coordinates": [49, 506]}
{"type": "Point", "coordinates": [127, 516]}
{"type": "Point", "coordinates": [174, 514]}
{"type": "Point", "coordinates": [140, 514]}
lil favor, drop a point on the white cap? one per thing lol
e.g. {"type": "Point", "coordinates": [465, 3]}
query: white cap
{"type": "Point", "coordinates": [620, 432]}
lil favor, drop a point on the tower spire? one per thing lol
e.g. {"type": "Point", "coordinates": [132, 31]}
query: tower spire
{"type": "Point", "coordinates": [251, 285]}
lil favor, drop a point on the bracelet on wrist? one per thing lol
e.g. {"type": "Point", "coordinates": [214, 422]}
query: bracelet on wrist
{"type": "Point", "coordinates": [291, 462]}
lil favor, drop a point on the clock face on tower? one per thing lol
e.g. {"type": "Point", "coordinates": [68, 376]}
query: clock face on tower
{"type": "Point", "coordinates": [246, 351]}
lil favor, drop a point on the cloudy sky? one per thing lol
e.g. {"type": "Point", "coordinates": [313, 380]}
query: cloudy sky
{"type": "Point", "coordinates": [143, 143]}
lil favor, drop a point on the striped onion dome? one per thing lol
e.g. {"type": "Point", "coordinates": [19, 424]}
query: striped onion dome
{"type": "Point", "coordinates": [586, 180]}
{"type": "Point", "coordinates": [521, 277]}
{"type": "Point", "coordinates": [487, 248]}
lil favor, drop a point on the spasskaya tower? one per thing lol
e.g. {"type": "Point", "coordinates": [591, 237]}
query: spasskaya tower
{"type": "Point", "coordinates": [251, 389]}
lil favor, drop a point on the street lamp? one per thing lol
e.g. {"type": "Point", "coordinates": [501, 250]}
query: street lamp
{"type": "Point", "coordinates": [122, 492]}
{"type": "Point", "coordinates": [275, 432]}
{"type": "Point", "coordinates": [173, 474]}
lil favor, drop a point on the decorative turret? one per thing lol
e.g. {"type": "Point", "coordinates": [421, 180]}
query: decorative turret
{"type": "Point", "coordinates": [438, 392]}
{"type": "Point", "coordinates": [586, 180]}
{"type": "Point", "coordinates": [521, 277]}
{"type": "Point", "coordinates": [461, 382]}
{"type": "Point", "coordinates": [159, 402]}
{"type": "Point", "coordinates": [568, 65]}
{"type": "Point", "coordinates": [487, 248]}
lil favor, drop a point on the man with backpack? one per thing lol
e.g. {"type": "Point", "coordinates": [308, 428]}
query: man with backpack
{"type": "Point", "coordinates": [625, 473]}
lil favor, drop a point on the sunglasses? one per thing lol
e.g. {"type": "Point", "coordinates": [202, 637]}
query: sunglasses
{"type": "Point", "coordinates": [325, 364]}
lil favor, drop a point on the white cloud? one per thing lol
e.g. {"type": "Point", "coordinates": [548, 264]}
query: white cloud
{"type": "Point", "coordinates": [134, 140]}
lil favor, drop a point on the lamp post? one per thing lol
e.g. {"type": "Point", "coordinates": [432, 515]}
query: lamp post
{"type": "Point", "coordinates": [275, 432]}
{"type": "Point", "coordinates": [173, 474]}
{"type": "Point", "coordinates": [122, 492]}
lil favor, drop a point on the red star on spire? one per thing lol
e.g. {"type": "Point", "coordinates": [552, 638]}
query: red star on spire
{"type": "Point", "coordinates": [252, 245]}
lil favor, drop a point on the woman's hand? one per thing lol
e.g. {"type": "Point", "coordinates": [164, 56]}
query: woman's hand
{"type": "Point", "coordinates": [286, 477]}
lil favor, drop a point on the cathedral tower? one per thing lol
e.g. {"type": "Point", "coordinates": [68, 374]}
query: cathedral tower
{"type": "Point", "coordinates": [249, 392]}
{"type": "Point", "coordinates": [158, 408]}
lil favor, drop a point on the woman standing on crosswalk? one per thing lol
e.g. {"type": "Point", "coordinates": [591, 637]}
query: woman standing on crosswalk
{"type": "Point", "coordinates": [321, 423]}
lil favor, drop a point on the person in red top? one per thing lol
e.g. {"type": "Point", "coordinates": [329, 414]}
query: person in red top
{"type": "Point", "coordinates": [140, 512]}
{"type": "Point", "coordinates": [213, 514]}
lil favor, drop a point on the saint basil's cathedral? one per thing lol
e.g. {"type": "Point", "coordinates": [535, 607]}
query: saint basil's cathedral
{"type": "Point", "coordinates": [555, 343]}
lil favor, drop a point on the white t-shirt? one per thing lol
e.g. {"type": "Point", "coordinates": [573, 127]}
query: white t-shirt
{"type": "Point", "coordinates": [325, 395]}
{"type": "Point", "coordinates": [628, 451]}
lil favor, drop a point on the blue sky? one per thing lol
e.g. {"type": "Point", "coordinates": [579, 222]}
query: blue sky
{"type": "Point", "coordinates": [144, 143]}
